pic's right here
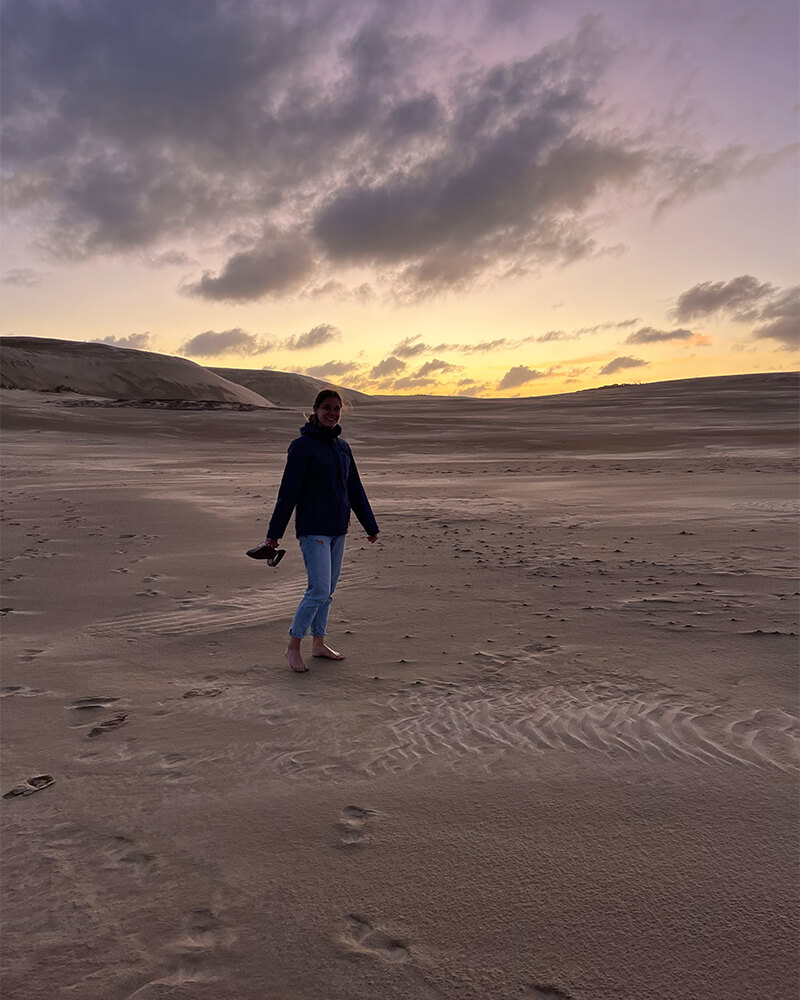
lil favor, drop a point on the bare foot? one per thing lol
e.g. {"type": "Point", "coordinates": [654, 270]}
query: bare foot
{"type": "Point", "coordinates": [323, 651]}
{"type": "Point", "coordinates": [295, 660]}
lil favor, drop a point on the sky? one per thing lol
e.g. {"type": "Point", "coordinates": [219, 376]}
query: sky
{"type": "Point", "coordinates": [455, 197]}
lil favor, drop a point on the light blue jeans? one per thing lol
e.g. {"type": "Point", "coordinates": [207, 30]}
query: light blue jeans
{"type": "Point", "coordinates": [323, 556]}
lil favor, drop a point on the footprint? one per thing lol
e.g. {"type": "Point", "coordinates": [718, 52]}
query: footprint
{"type": "Point", "coordinates": [360, 935]}
{"type": "Point", "coordinates": [352, 826]}
{"type": "Point", "coordinates": [122, 851]}
{"type": "Point", "coordinates": [21, 690]}
{"type": "Point", "coordinates": [203, 693]}
{"type": "Point", "coordinates": [112, 723]}
{"type": "Point", "coordinates": [92, 702]}
{"type": "Point", "coordinates": [200, 936]}
{"type": "Point", "coordinates": [200, 931]}
{"type": "Point", "coordinates": [533, 991]}
{"type": "Point", "coordinates": [29, 655]}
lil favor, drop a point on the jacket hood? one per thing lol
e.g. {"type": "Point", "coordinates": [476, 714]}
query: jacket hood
{"type": "Point", "coordinates": [321, 433]}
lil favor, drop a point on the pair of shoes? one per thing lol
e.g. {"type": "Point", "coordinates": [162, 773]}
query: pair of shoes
{"type": "Point", "coordinates": [264, 551]}
{"type": "Point", "coordinates": [31, 785]}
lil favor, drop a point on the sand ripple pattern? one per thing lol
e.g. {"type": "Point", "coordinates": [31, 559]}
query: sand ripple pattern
{"type": "Point", "coordinates": [598, 718]}
{"type": "Point", "coordinates": [778, 506]}
{"type": "Point", "coordinates": [486, 729]}
{"type": "Point", "coordinates": [209, 614]}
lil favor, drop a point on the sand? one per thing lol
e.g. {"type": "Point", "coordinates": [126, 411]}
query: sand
{"type": "Point", "coordinates": [560, 757]}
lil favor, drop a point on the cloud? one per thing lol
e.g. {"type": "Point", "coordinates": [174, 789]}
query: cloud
{"type": "Point", "coordinates": [409, 348]}
{"type": "Point", "coordinates": [332, 369]}
{"type": "Point", "coordinates": [557, 335]}
{"type": "Point", "coordinates": [519, 375]}
{"type": "Point", "coordinates": [553, 335]}
{"type": "Point", "coordinates": [436, 366]}
{"type": "Point", "coordinates": [276, 266]}
{"type": "Point", "coordinates": [134, 341]}
{"type": "Point", "coordinates": [212, 344]}
{"type": "Point", "coordinates": [23, 277]}
{"type": "Point", "coordinates": [389, 366]}
{"type": "Point", "coordinates": [689, 175]}
{"type": "Point", "coordinates": [410, 382]}
{"type": "Point", "coordinates": [619, 364]}
{"type": "Point", "coordinates": [649, 335]}
{"type": "Point", "coordinates": [168, 258]}
{"type": "Point", "coordinates": [746, 299]}
{"type": "Point", "coordinates": [739, 297]}
{"type": "Point", "coordinates": [782, 319]}
{"type": "Point", "coordinates": [322, 334]}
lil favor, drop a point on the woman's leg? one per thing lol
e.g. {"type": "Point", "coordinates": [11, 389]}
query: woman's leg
{"type": "Point", "coordinates": [319, 624]}
{"type": "Point", "coordinates": [316, 555]}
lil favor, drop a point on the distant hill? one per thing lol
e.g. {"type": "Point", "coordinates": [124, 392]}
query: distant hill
{"type": "Point", "coordinates": [287, 389]}
{"type": "Point", "coordinates": [92, 369]}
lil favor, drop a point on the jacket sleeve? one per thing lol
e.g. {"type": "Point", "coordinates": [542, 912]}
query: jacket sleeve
{"type": "Point", "coordinates": [289, 490]}
{"type": "Point", "coordinates": [358, 500]}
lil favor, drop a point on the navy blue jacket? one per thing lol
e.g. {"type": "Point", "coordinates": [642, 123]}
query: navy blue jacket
{"type": "Point", "coordinates": [321, 481]}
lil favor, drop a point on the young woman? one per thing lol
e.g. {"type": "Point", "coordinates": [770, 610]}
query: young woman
{"type": "Point", "coordinates": [321, 481]}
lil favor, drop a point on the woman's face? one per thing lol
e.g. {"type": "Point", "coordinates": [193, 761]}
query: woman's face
{"type": "Point", "coordinates": [329, 411]}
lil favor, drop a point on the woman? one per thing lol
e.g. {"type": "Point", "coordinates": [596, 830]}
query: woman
{"type": "Point", "coordinates": [320, 480]}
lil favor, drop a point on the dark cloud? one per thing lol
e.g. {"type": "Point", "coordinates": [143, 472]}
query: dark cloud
{"type": "Point", "coordinates": [134, 341]}
{"type": "Point", "coordinates": [389, 366]}
{"type": "Point", "coordinates": [125, 128]}
{"type": "Point", "coordinates": [740, 297]}
{"type": "Point", "coordinates": [649, 335]}
{"type": "Point", "coordinates": [276, 266]}
{"type": "Point", "coordinates": [329, 131]}
{"type": "Point", "coordinates": [417, 116]}
{"type": "Point", "coordinates": [436, 366]}
{"type": "Point", "coordinates": [508, 182]}
{"type": "Point", "coordinates": [23, 277]}
{"type": "Point", "coordinates": [322, 334]}
{"type": "Point", "coordinates": [619, 364]}
{"type": "Point", "coordinates": [781, 319]}
{"type": "Point", "coordinates": [519, 375]}
{"type": "Point", "coordinates": [745, 299]}
{"type": "Point", "coordinates": [212, 344]}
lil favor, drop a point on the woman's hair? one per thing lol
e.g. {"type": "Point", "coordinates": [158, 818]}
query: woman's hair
{"type": "Point", "coordinates": [322, 395]}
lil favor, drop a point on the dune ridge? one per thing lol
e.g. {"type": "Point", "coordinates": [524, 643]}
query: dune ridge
{"type": "Point", "coordinates": [108, 372]}
{"type": "Point", "coordinates": [288, 388]}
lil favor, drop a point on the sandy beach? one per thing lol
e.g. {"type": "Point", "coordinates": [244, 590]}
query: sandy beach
{"type": "Point", "coordinates": [559, 761]}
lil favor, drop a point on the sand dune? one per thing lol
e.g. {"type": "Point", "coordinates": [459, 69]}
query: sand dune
{"type": "Point", "coordinates": [559, 762]}
{"type": "Point", "coordinates": [110, 372]}
{"type": "Point", "coordinates": [286, 388]}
